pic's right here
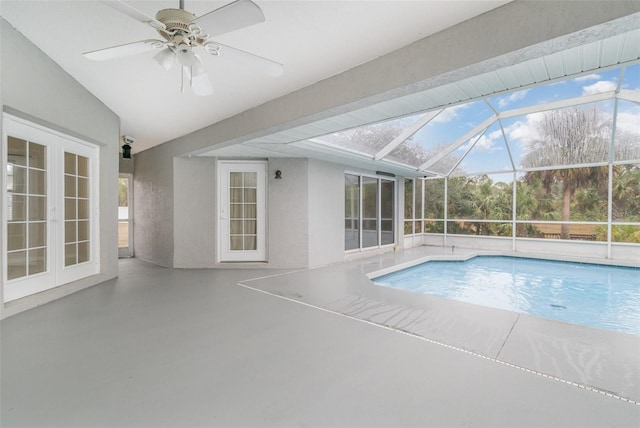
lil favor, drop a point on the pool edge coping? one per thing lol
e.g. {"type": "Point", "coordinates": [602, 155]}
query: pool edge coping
{"type": "Point", "coordinates": [466, 257]}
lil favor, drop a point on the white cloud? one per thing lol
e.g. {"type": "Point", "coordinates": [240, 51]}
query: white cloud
{"type": "Point", "coordinates": [484, 144]}
{"type": "Point", "coordinates": [505, 101]}
{"type": "Point", "coordinates": [599, 87]}
{"type": "Point", "coordinates": [449, 114]}
{"type": "Point", "coordinates": [587, 77]}
{"type": "Point", "coordinates": [524, 131]}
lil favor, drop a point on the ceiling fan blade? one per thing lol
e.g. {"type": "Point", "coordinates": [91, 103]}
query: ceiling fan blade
{"type": "Point", "coordinates": [199, 78]}
{"type": "Point", "coordinates": [134, 13]}
{"type": "Point", "coordinates": [264, 65]}
{"type": "Point", "coordinates": [233, 16]}
{"type": "Point", "coordinates": [125, 50]}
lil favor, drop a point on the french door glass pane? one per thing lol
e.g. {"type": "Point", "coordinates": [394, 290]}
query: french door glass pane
{"type": "Point", "coordinates": [77, 211]}
{"type": "Point", "coordinates": [242, 208]}
{"type": "Point", "coordinates": [26, 199]}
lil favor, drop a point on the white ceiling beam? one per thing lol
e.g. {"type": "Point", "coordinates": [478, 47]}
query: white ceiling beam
{"type": "Point", "coordinates": [628, 95]}
{"type": "Point", "coordinates": [460, 141]}
{"type": "Point", "coordinates": [428, 117]}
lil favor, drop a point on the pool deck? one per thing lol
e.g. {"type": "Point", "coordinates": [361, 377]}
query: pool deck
{"type": "Point", "coordinates": [604, 360]}
{"type": "Point", "coordinates": [320, 347]}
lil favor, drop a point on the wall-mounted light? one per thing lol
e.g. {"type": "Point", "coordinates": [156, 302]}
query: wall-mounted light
{"type": "Point", "coordinates": [278, 174]}
{"type": "Point", "coordinates": [126, 151]}
{"type": "Point", "coordinates": [126, 147]}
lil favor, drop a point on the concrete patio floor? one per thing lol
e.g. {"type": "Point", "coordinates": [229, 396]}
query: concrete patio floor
{"type": "Point", "coordinates": [169, 347]}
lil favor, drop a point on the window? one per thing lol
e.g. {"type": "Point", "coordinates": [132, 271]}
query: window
{"type": "Point", "coordinates": [369, 212]}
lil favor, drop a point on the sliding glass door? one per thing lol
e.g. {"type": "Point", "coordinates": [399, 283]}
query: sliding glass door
{"type": "Point", "coordinates": [369, 212]}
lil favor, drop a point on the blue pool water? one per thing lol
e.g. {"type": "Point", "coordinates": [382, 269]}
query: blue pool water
{"type": "Point", "coordinates": [598, 296]}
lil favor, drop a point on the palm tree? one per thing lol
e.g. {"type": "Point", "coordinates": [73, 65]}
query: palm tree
{"type": "Point", "coordinates": [570, 137]}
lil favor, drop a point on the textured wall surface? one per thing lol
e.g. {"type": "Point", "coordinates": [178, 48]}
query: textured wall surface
{"type": "Point", "coordinates": [288, 233]}
{"type": "Point", "coordinates": [195, 215]}
{"type": "Point", "coordinates": [326, 213]}
{"type": "Point", "coordinates": [37, 89]}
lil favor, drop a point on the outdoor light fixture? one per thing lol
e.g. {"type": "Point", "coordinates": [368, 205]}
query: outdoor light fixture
{"type": "Point", "coordinates": [126, 151]}
{"type": "Point", "coordinates": [386, 174]}
{"type": "Point", "coordinates": [279, 174]}
{"type": "Point", "coordinates": [126, 147]}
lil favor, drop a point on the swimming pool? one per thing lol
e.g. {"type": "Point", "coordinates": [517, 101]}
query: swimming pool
{"type": "Point", "coordinates": [598, 296]}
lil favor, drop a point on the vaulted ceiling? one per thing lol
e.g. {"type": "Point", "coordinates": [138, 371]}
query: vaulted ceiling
{"type": "Point", "coordinates": [312, 39]}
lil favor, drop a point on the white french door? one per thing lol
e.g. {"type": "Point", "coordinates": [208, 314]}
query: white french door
{"type": "Point", "coordinates": [49, 215]}
{"type": "Point", "coordinates": [242, 206]}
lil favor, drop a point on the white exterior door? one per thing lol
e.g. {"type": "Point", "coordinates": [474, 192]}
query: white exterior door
{"type": "Point", "coordinates": [242, 211]}
{"type": "Point", "coordinates": [49, 215]}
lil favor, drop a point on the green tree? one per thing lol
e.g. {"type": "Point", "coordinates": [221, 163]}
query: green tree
{"type": "Point", "coordinates": [570, 137]}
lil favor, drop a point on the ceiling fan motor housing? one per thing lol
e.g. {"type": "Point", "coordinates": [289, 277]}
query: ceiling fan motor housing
{"type": "Point", "coordinates": [176, 20]}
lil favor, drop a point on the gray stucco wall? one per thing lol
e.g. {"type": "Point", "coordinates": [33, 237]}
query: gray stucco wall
{"type": "Point", "coordinates": [326, 213]}
{"type": "Point", "coordinates": [288, 208]}
{"type": "Point", "coordinates": [153, 206]}
{"type": "Point", "coordinates": [35, 88]}
{"type": "Point", "coordinates": [194, 220]}
{"type": "Point", "coordinates": [510, 34]}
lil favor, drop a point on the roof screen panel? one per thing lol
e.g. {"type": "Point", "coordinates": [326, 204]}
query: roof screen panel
{"type": "Point", "coordinates": [631, 79]}
{"type": "Point", "coordinates": [572, 136]}
{"type": "Point", "coordinates": [627, 139]}
{"type": "Point", "coordinates": [488, 154]}
{"type": "Point", "coordinates": [369, 139]}
{"type": "Point", "coordinates": [443, 131]}
{"type": "Point", "coordinates": [572, 88]}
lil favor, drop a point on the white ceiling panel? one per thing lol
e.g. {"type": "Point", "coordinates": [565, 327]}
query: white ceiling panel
{"type": "Point", "coordinates": [538, 70]}
{"type": "Point", "coordinates": [591, 55]}
{"type": "Point", "coordinates": [611, 50]}
{"type": "Point", "coordinates": [630, 46]}
{"type": "Point", "coordinates": [554, 64]}
{"type": "Point", "coordinates": [572, 60]}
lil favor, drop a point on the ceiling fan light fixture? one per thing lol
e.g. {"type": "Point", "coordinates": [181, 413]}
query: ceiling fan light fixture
{"type": "Point", "coordinates": [185, 55]}
{"type": "Point", "coordinates": [165, 58]}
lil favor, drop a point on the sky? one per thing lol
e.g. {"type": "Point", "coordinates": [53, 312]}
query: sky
{"type": "Point", "coordinates": [490, 152]}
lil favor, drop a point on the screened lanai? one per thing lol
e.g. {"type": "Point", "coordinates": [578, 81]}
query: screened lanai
{"type": "Point", "coordinates": [572, 148]}
{"type": "Point", "coordinates": [564, 128]}
{"type": "Point", "coordinates": [543, 149]}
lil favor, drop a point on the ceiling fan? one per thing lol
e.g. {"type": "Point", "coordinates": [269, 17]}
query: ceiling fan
{"type": "Point", "coordinates": [184, 33]}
